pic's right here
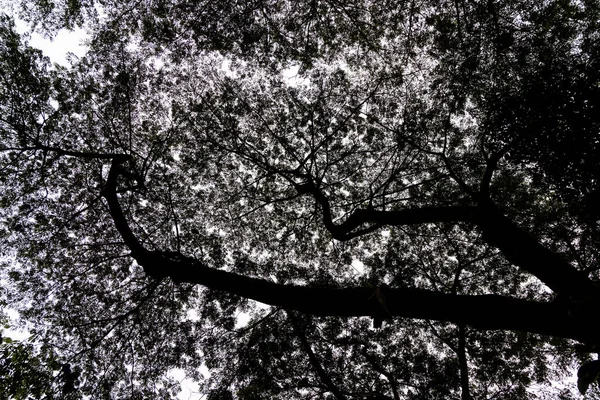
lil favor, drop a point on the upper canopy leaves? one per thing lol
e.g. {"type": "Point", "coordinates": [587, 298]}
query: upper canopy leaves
{"type": "Point", "coordinates": [431, 166]}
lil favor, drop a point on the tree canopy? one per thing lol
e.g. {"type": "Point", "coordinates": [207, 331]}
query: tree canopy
{"type": "Point", "coordinates": [358, 199]}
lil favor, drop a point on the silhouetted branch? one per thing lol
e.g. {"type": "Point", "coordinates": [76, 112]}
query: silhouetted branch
{"type": "Point", "coordinates": [314, 361]}
{"type": "Point", "coordinates": [379, 368]}
{"type": "Point", "coordinates": [478, 311]}
{"type": "Point", "coordinates": [462, 362]}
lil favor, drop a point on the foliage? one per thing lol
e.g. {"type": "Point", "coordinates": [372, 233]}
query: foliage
{"type": "Point", "coordinates": [350, 200]}
{"type": "Point", "coordinates": [29, 374]}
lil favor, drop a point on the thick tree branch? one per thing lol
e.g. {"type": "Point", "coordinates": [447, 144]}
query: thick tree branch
{"type": "Point", "coordinates": [411, 216]}
{"type": "Point", "coordinates": [110, 193]}
{"type": "Point", "coordinates": [478, 311]}
{"type": "Point", "coordinates": [522, 250]}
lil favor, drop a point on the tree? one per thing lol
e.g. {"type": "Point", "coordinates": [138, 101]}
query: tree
{"type": "Point", "coordinates": [412, 216]}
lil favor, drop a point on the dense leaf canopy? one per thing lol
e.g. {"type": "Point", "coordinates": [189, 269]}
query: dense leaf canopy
{"type": "Point", "coordinates": [363, 199]}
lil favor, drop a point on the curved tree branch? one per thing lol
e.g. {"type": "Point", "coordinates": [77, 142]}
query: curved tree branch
{"type": "Point", "coordinates": [361, 216]}
{"type": "Point", "coordinates": [518, 246]}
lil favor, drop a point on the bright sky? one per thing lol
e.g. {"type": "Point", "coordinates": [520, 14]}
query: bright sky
{"type": "Point", "coordinates": [57, 49]}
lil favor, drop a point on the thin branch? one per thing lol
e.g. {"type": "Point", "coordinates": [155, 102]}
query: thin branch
{"type": "Point", "coordinates": [462, 361]}
{"type": "Point", "coordinates": [63, 152]}
{"type": "Point", "coordinates": [492, 163]}
{"type": "Point", "coordinates": [314, 361]}
{"type": "Point", "coordinates": [379, 368]}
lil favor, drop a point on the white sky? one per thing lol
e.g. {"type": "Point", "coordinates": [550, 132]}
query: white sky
{"type": "Point", "coordinates": [58, 48]}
